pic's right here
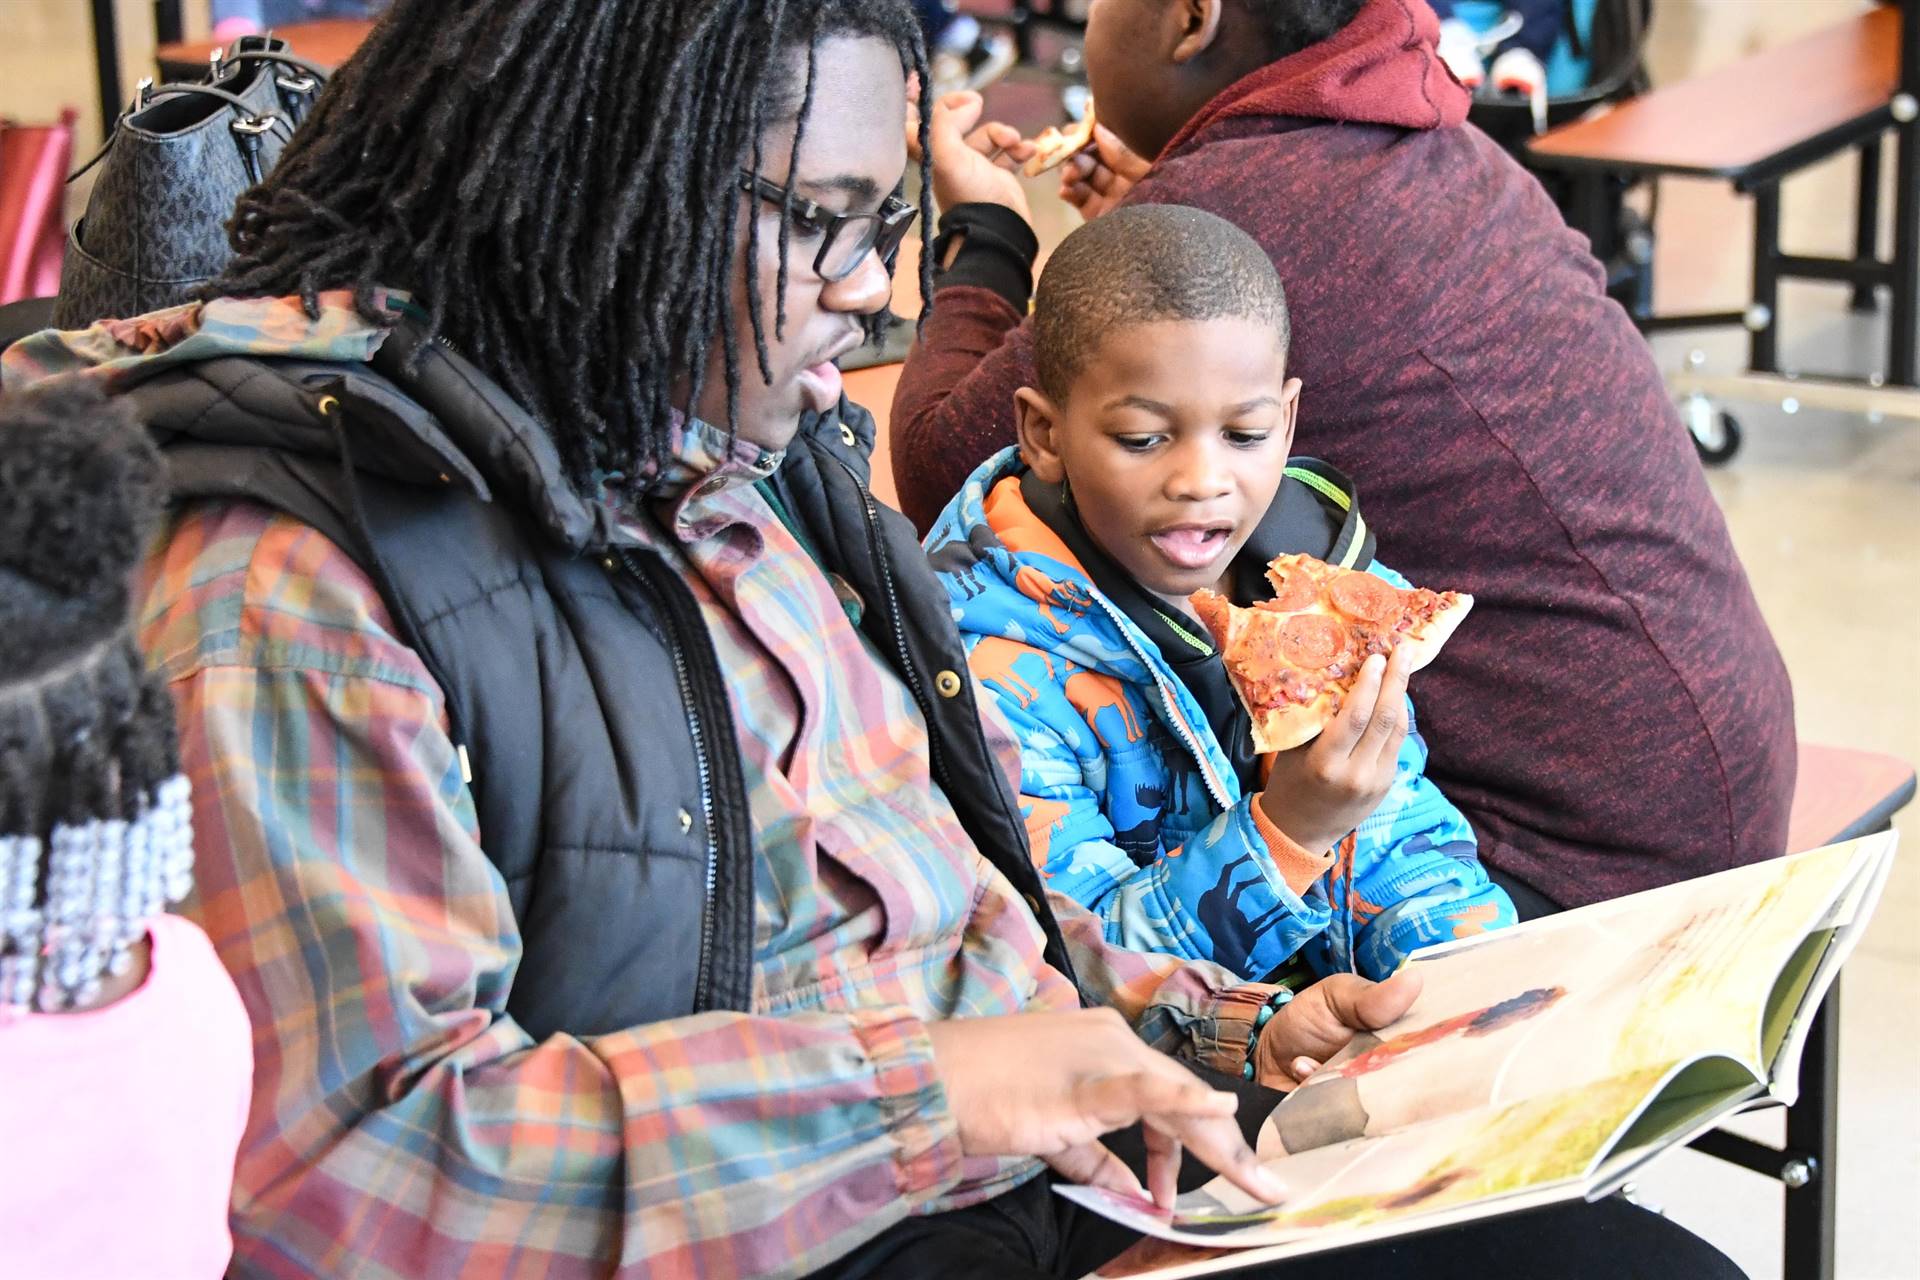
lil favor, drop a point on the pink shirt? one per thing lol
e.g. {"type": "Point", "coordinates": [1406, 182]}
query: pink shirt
{"type": "Point", "coordinates": [118, 1127]}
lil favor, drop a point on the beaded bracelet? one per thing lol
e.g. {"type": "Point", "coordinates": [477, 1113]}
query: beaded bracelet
{"type": "Point", "coordinates": [1280, 998]}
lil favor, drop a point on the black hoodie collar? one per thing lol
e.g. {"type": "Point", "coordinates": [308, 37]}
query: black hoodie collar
{"type": "Point", "coordinates": [1316, 512]}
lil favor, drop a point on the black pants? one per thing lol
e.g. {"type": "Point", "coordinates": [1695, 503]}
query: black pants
{"type": "Point", "coordinates": [1528, 902]}
{"type": "Point", "coordinates": [1030, 1234]}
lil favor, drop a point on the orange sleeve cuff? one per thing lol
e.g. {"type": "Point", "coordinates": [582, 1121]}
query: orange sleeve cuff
{"type": "Point", "coordinates": [1299, 867]}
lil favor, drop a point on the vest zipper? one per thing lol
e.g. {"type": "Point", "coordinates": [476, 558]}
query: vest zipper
{"type": "Point", "coordinates": [696, 728]}
{"type": "Point", "coordinates": [675, 609]}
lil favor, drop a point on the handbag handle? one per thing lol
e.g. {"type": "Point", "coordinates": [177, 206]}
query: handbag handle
{"type": "Point", "coordinates": [247, 128]}
{"type": "Point", "coordinates": [308, 83]}
{"type": "Point", "coordinates": [313, 69]}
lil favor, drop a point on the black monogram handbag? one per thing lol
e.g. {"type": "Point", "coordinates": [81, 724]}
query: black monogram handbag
{"type": "Point", "coordinates": [171, 170]}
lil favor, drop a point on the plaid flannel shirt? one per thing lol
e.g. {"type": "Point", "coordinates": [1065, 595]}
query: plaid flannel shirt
{"type": "Point", "coordinates": [403, 1125]}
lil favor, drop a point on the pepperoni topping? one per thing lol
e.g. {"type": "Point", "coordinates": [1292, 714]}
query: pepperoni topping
{"type": "Point", "coordinates": [1280, 687]}
{"type": "Point", "coordinates": [1312, 640]}
{"type": "Point", "coordinates": [1293, 588]}
{"type": "Point", "coordinates": [1427, 605]}
{"type": "Point", "coordinates": [1363, 596]}
{"type": "Point", "coordinates": [1370, 640]}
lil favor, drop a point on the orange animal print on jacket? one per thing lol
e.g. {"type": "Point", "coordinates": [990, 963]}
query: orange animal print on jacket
{"type": "Point", "coordinates": [1362, 910]}
{"type": "Point", "coordinates": [1044, 817]}
{"type": "Point", "coordinates": [1048, 592]}
{"type": "Point", "coordinates": [1476, 920]}
{"type": "Point", "coordinates": [1092, 694]}
{"type": "Point", "coordinates": [993, 659]}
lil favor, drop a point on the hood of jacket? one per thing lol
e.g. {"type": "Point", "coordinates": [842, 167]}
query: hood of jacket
{"type": "Point", "coordinates": [532, 642]}
{"type": "Point", "coordinates": [1381, 68]}
{"type": "Point", "coordinates": [259, 375]}
{"type": "Point", "coordinates": [1008, 574]}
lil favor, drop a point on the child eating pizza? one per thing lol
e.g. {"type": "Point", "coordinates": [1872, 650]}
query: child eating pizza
{"type": "Point", "coordinates": [1153, 464]}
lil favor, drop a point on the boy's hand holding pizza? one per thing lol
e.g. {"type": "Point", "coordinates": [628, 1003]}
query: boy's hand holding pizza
{"type": "Point", "coordinates": [1324, 700]}
{"type": "Point", "coordinates": [1319, 792]}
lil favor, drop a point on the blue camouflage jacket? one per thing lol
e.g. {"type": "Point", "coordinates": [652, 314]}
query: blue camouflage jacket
{"type": "Point", "coordinates": [1132, 805]}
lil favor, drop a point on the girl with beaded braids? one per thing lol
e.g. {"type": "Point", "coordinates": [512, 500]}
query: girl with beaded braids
{"type": "Point", "coordinates": [123, 1045]}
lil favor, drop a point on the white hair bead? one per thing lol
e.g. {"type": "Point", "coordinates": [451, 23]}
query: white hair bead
{"type": "Point", "coordinates": [103, 881]}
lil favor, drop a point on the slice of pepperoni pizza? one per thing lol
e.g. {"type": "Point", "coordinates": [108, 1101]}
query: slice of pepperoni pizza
{"type": "Point", "coordinates": [1294, 658]}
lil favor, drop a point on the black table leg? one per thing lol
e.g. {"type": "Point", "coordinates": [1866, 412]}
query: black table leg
{"type": "Point", "coordinates": [1866, 221]}
{"type": "Point", "coordinates": [1589, 212]}
{"type": "Point", "coordinates": [1022, 17]}
{"type": "Point", "coordinates": [169, 25]}
{"type": "Point", "coordinates": [1812, 1141]}
{"type": "Point", "coordinates": [1763, 340]}
{"type": "Point", "coordinates": [1905, 322]}
{"type": "Point", "coordinates": [106, 56]}
{"type": "Point", "coordinates": [1904, 327]}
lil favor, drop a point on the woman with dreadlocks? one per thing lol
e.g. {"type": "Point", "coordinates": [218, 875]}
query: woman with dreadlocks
{"type": "Point", "coordinates": [123, 1047]}
{"type": "Point", "coordinates": [593, 813]}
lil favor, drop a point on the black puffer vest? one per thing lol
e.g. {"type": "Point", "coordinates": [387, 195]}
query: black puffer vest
{"type": "Point", "coordinates": [581, 685]}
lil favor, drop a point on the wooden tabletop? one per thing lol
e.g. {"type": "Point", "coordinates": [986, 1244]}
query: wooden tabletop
{"type": "Point", "coordinates": [1722, 124]}
{"type": "Point", "coordinates": [1841, 792]}
{"type": "Point", "coordinates": [328, 41]}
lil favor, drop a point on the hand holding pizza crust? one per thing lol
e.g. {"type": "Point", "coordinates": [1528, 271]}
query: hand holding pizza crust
{"type": "Point", "coordinates": [973, 160]}
{"type": "Point", "coordinates": [1098, 178]}
{"type": "Point", "coordinates": [1312, 663]}
{"type": "Point", "coordinates": [1295, 658]}
{"type": "Point", "coordinates": [1053, 146]}
{"type": "Point", "coordinates": [1318, 792]}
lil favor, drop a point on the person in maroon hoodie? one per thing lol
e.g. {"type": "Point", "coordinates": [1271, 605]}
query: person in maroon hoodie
{"type": "Point", "coordinates": [1616, 715]}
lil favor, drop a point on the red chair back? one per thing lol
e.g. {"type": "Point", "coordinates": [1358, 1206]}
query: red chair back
{"type": "Point", "coordinates": [34, 160]}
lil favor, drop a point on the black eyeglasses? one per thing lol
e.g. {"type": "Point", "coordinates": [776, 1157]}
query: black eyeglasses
{"type": "Point", "coordinates": [845, 238]}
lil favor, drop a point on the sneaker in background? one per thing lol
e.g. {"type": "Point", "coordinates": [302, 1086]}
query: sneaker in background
{"type": "Point", "coordinates": [1460, 51]}
{"type": "Point", "coordinates": [1519, 73]}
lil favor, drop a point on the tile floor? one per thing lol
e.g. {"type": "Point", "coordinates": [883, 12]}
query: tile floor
{"type": "Point", "coordinates": [1834, 498]}
{"type": "Point", "coordinates": [1813, 498]}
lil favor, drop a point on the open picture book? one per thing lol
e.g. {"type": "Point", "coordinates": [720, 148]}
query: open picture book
{"type": "Point", "coordinates": [1539, 1064]}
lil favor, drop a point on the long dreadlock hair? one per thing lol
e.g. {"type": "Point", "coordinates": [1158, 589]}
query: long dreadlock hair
{"type": "Point", "coordinates": [556, 181]}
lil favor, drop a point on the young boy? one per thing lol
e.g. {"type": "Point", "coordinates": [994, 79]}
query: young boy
{"type": "Point", "coordinates": [1152, 463]}
{"type": "Point", "coordinates": [1446, 314]}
